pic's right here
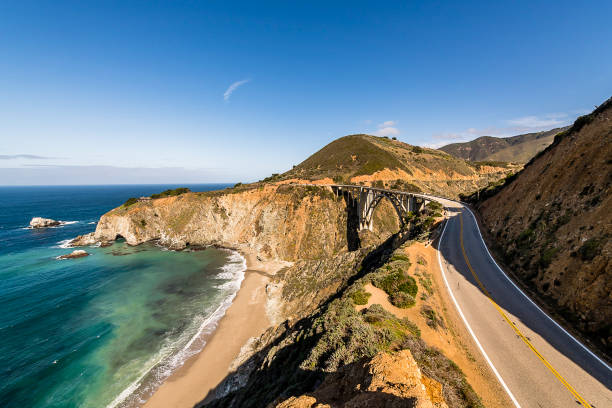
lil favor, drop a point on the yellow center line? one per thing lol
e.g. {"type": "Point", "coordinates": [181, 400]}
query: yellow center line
{"type": "Point", "coordinates": [563, 381]}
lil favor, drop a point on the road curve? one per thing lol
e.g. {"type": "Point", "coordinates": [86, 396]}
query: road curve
{"type": "Point", "coordinates": [537, 362]}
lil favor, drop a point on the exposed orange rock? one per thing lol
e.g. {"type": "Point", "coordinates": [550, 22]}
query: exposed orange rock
{"type": "Point", "coordinates": [386, 380]}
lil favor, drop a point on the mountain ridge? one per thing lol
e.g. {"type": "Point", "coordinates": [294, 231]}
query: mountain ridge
{"type": "Point", "coordinates": [518, 149]}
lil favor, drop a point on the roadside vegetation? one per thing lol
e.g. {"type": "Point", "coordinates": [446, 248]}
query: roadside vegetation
{"type": "Point", "coordinates": [171, 193]}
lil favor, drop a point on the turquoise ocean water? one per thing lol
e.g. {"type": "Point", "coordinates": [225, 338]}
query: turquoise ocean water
{"type": "Point", "coordinates": [103, 330]}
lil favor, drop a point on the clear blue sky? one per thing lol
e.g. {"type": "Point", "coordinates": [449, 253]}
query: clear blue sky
{"type": "Point", "coordinates": [208, 91]}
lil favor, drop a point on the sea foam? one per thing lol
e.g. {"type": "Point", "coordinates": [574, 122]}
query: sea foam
{"type": "Point", "coordinates": [160, 366]}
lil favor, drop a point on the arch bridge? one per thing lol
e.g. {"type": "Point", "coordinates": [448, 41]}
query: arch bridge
{"type": "Point", "coordinates": [367, 199]}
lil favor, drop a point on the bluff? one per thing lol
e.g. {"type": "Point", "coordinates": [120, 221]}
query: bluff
{"type": "Point", "coordinates": [276, 221]}
{"type": "Point", "coordinates": [552, 224]}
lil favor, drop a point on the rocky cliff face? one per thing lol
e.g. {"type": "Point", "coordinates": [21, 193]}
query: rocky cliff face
{"type": "Point", "coordinates": [553, 223]}
{"type": "Point", "coordinates": [277, 221]}
{"type": "Point", "coordinates": [386, 380]}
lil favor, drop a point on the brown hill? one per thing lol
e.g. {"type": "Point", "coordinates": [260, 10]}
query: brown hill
{"type": "Point", "coordinates": [516, 149]}
{"type": "Point", "coordinates": [372, 160]}
{"type": "Point", "coordinates": [552, 224]}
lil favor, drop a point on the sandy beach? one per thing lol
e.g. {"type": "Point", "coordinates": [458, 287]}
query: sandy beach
{"type": "Point", "coordinates": [245, 318]}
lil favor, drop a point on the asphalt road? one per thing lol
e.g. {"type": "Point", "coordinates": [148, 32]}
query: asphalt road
{"type": "Point", "coordinates": [536, 361]}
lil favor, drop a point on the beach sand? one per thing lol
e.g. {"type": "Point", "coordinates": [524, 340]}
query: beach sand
{"type": "Point", "coordinates": [245, 318]}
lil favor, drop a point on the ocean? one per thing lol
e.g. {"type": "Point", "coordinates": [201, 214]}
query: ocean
{"type": "Point", "coordinates": [104, 330]}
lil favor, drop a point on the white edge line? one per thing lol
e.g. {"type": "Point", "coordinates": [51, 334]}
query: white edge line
{"type": "Point", "coordinates": [467, 325]}
{"type": "Point", "coordinates": [529, 299]}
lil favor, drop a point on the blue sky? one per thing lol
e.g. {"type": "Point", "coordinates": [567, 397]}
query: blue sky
{"type": "Point", "coordinates": [229, 91]}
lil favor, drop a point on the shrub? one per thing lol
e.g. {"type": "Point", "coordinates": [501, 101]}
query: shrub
{"type": "Point", "coordinates": [417, 149]}
{"type": "Point", "coordinates": [360, 297]}
{"type": "Point", "coordinates": [402, 300]}
{"type": "Point", "coordinates": [400, 257]}
{"type": "Point", "coordinates": [400, 287]}
{"type": "Point", "coordinates": [590, 249]}
{"type": "Point", "coordinates": [130, 201]}
{"type": "Point", "coordinates": [171, 193]}
{"type": "Point", "coordinates": [433, 319]}
{"type": "Point", "coordinates": [434, 206]}
{"type": "Point", "coordinates": [547, 256]}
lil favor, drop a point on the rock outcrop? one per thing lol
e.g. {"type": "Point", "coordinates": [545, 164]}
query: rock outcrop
{"type": "Point", "coordinates": [84, 240]}
{"type": "Point", "coordinates": [77, 253]}
{"type": "Point", "coordinates": [277, 221]}
{"type": "Point", "coordinates": [39, 222]}
{"type": "Point", "coordinates": [386, 380]}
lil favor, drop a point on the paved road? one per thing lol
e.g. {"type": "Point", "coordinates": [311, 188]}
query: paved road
{"type": "Point", "coordinates": [537, 362]}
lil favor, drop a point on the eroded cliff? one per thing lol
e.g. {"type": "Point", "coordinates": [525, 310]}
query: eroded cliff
{"type": "Point", "coordinates": [275, 221]}
{"type": "Point", "coordinates": [552, 224]}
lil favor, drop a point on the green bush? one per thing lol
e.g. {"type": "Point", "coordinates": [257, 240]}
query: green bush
{"type": "Point", "coordinates": [400, 287]}
{"type": "Point", "coordinates": [130, 201]}
{"type": "Point", "coordinates": [433, 319]}
{"type": "Point", "coordinates": [171, 193]}
{"type": "Point", "coordinates": [590, 249]}
{"type": "Point", "coordinates": [400, 257]}
{"type": "Point", "coordinates": [360, 297]}
{"type": "Point", "coordinates": [402, 300]}
{"type": "Point", "coordinates": [547, 256]}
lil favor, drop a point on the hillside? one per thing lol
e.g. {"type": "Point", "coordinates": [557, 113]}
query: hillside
{"type": "Point", "coordinates": [516, 149]}
{"type": "Point", "coordinates": [372, 160]}
{"type": "Point", "coordinates": [552, 224]}
{"type": "Point", "coordinates": [322, 336]}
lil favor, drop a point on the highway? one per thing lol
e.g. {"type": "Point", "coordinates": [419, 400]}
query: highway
{"type": "Point", "coordinates": [536, 361]}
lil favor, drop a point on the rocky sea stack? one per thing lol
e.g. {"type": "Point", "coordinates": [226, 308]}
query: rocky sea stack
{"type": "Point", "coordinates": [77, 253]}
{"type": "Point", "coordinates": [39, 222]}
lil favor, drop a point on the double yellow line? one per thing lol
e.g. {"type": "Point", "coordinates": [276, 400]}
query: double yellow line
{"type": "Point", "coordinates": [563, 381]}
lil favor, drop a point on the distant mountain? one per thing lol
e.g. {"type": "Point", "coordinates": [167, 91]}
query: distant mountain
{"type": "Point", "coordinates": [517, 149]}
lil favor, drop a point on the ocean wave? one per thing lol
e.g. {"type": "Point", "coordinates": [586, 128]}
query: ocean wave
{"type": "Point", "coordinates": [63, 244]}
{"type": "Point", "coordinates": [160, 366]}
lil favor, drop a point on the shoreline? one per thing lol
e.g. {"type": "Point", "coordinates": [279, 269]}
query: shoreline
{"type": "Point", "coordinates": [245, 318]}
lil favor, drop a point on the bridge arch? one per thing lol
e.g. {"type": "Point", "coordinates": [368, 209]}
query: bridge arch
{"type": "Point", "coordinates": [368, 198]}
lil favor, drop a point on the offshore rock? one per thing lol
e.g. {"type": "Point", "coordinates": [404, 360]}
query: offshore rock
{"type": "Point", "coordinates": [83, 240]}
{"type": "Point", "coordinates": [77, 253]}
{"type": "Point", "coordinates": [39, 222]}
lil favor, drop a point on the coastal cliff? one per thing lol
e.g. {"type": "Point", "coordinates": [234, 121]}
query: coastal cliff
{"type": "Point", "coordinates": [551, 225]}
{"type": "Point", "coordinates": [276, 221]}
{"type": "Point", "coordinates": [317, 334]}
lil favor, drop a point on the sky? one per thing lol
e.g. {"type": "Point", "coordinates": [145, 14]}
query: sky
{"type": "Point", "coordinates": [226, 91]}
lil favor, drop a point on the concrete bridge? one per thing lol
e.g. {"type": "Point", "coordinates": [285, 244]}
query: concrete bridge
{"type": "Point", "coordinates": [366, 199]}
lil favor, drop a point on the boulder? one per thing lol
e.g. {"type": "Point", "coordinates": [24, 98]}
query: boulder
{"type": "Point", "coordinates": [77, 253]}
{"type": "Point", "coordinates": [83, 240]}
{"type": "Point", "coordinates": [39, 222]}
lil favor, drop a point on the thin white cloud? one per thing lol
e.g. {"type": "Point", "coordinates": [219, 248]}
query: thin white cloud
{"type": "Point", "coordinates": [387, 128]}
{"type": "Point", "coordinates": [524, 124]}
{"type": "Point", "coordinates": [228, 92]}
{"type": "Point", "coordinates": [534, 121]}
{"type": "Point", "coordinates": [387, 131]}
{"type": "Point", "coordinates": [24, 156]}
